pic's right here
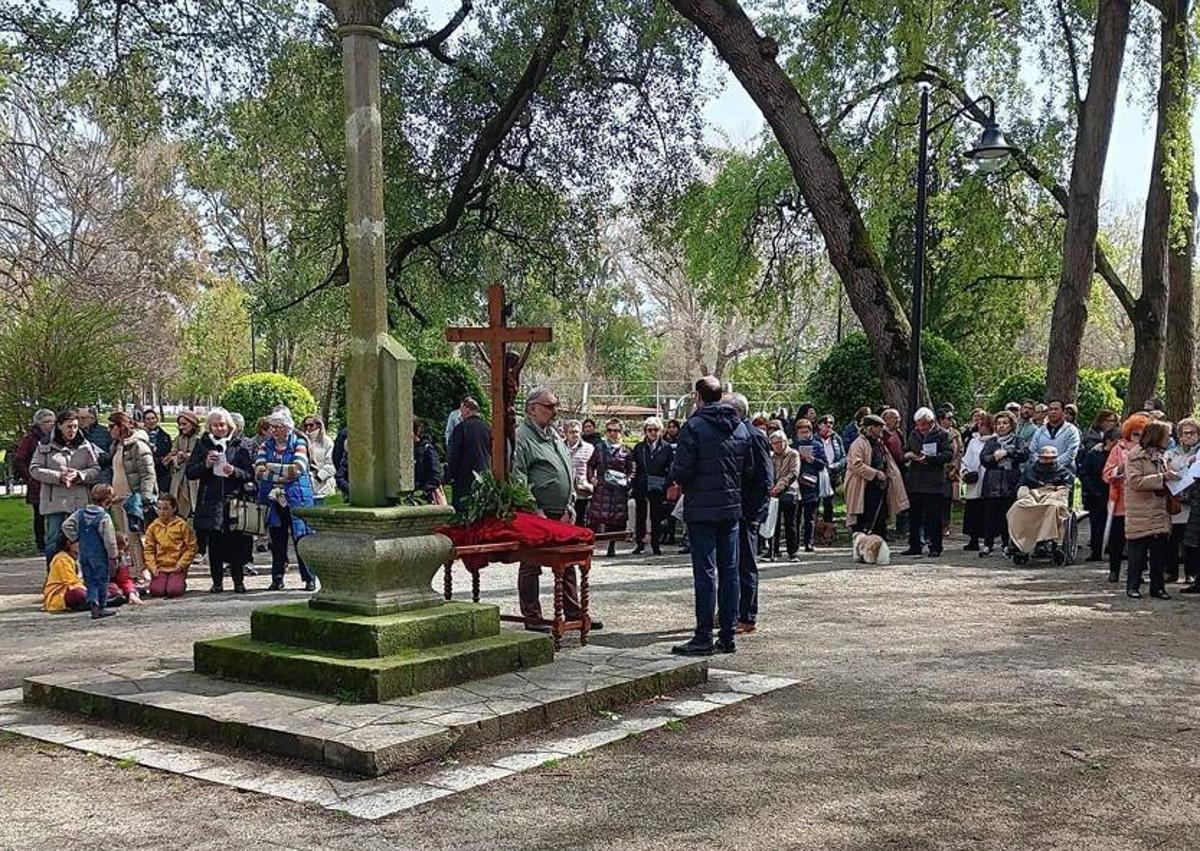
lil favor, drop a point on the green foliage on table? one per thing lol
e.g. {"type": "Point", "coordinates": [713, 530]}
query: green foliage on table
{"type": "Point", "coordinates": [489, 498]}
{"type": "Point", "coordinates": [1094, 393]}
{"type": "Point", "coordinates": [845, 379]}
{"type": "Point", "coordinates": [256, 395]}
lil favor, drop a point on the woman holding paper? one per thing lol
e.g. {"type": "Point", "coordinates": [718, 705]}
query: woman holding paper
{"type": "Point", "coordinates": [812, 462]}
{"type": "Point", "coordinates": [971, 474]}
{"type": "Point", "coordinates": [1114, 474]}
{"type": "Point", "coordinates": [220, 465]}
{"type": "Point", "coordinates": [1147, 523]}
{"type": "Point", "coordinates": [1180, 459]}
{"type": "Point", "coordinates": [787, 491]}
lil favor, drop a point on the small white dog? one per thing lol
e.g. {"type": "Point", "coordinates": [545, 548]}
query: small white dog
{"type": "Point", "coordinates": [870, 549]}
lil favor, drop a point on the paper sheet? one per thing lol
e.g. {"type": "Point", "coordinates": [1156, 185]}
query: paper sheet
{"type": "Point", "coordinates": [928, 449]}
{"type": "Point", "coordinates": [219, 465]}
{"type": "Point", "coordinates": [1181, 484]}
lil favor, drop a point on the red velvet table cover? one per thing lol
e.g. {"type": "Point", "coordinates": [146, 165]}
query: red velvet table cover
{"type": "Point", "coordinates": [526, 530]}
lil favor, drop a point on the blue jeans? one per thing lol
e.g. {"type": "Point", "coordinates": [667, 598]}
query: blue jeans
{"type": "Point", "coordinates": [715, 574]}
{"type": "Point", "coordinates": [748, 572]}
{"type": "Point", "coordinates": [54, 523]}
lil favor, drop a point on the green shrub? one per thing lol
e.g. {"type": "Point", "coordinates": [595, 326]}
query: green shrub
{"type": "Point", "coordinates": [1095, 391]}
{"type": "Point", "coordinates": [438, 387]}
{"type": "Point", "coordinates": [257, 394]}
{"type": "Point", "coordinates": [845, 379]}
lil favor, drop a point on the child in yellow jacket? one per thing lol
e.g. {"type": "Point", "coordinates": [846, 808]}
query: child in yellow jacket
{"type": "Point", "coordinates": [64, 590]}
{"type": "Point", "coordinates": [170, 548]}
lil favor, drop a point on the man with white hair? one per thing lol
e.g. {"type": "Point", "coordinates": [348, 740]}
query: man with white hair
{"type": "Point", "coordinates": [927, 451]}
{"type": "Point", "coordinates": [653, 457]}
{"type": "Point", "coordinates": [542, 462]}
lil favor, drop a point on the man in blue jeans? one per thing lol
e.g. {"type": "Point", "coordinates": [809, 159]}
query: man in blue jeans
{"type": "Point", "coordinates": [713, 461]}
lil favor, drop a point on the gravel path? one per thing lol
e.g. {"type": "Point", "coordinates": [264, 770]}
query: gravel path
{"type": "Point", "coordinates": [961, 704]}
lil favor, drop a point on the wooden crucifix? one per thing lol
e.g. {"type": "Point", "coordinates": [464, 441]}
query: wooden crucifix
{"type": "Point", "coordinates": [505, 368]}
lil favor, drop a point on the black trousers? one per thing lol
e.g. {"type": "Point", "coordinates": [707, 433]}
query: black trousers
{"type": "Point", "coordinates": [995, 511]}
{"type": "Point", "coordinates": [1116, 545]}
{"type": "Point", "coordinates": [925, 515]}
{"type": "Point", "coordinates": [230, 549]}
{"type": "Point", "coordinates": [39, 530]}
{"type": "Point", "coordinates": [581, 506]}
{"type": "Point", "coordinates": [786, 527]}
{"type": "Point", "coordinates": [974, 524]}
{"type": "Point", "coordinates": [873, 520]}
{"type": "Point", "coordinates": [1177, 555]}
{"type": "Point", "coordinates": [280, 535]}
{"type": "Point", "coordinates": [654, 505]}
{"type": "Point", "coordinates": [1156, 549]}
{"type": "Point", "coordinates": [1097, 509]}
{"type": "Point", "coordinates": [807, 515]}
{"type": "Point", "coordinates": [827, 509]}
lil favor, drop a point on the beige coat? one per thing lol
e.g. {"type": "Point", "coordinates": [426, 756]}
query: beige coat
{"type": "Point", "coordinates": [1145, 495]}
{"type": "Point", "coordinates": [859, 471]}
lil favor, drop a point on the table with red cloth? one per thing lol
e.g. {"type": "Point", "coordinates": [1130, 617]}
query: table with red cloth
{"type": "Point", "coordinates": [531, 539]}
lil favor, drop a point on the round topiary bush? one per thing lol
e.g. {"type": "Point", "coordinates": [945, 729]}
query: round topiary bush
{"type": "Point", "coordinates": [1094, 392]}
{"type": "Point", "coordinates": [257, 394]}
{"type": "Point", "coordinates": [438, 388]}
{"type": "Point", "coordinates": [845, 379]}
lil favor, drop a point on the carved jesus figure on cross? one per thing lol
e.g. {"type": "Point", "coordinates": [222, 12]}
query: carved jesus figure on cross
{"type": "Point", "coordinates": [505, 369]}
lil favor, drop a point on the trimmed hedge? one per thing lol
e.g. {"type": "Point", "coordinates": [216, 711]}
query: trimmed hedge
{"type": "Point", "coordinates": [1095, 392]}
{"type": "Point", "coordinates": [438, 387]}
{"type": "Point", "coordinates": [256, 395]}
{"type": "Point", "coordinates": [845, 379]}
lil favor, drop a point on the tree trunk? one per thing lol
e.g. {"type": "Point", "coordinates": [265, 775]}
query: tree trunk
{"type": "Point", "coordinates": [1181, 239]}
{"type": "Point", "coordinates": [335, 363]}
{"type": "Point", "coordinates": [819, 177]}
{"type": "Point", "coordinates": [1083, 204]}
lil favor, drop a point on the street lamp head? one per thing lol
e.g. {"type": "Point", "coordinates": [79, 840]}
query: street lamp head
{"type": "Point", "coordinates": [992, 151]}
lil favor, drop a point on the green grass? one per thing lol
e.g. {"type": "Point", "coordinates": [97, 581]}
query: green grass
{"type": "Point", "coordinates": [16, 528]}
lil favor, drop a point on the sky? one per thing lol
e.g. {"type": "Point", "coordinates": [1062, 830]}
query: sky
{"type": "Point", "coordinates": [734, 119]}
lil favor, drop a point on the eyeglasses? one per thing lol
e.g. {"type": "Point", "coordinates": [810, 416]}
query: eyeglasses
{"type": "Point", "coordinates": [553, 406]}
{"type": "Point", "coordinates": [613, 430]}
{"type": "Point", "coordinates": [1135, 434]}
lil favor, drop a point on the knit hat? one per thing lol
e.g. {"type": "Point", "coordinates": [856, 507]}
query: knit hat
{"type": "Point", "coordinates": [190, 416]}
{"type": "Point", "coordinates": [1048, 453]}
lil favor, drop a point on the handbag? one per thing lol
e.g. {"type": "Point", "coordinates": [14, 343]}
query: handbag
{"type": "Point", "coordinates": [767, 529]}
{"type": "Point", "coordinates": [656, 484]}
{"type": "Point", "coordinates": [249, 517]}
{"type": "Point", "coordinates": [970, 477]}
{"type": "Point", "coordinates": [808, 480]}
{"type": "Point", "coordinates": [673, 493]}
{"type": "Point", "coordinates": [615, 479]}
{"type": "Point", "coordinates": [1174, 504]}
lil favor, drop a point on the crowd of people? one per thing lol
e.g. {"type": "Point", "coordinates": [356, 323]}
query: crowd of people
{"type": "Point", "coordinates": [122, 512]}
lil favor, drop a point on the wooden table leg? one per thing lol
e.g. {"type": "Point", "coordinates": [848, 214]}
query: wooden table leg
{"type": "Point", "coordinates": [585, 616]}
{"type": "Point", "coordinates": [557, 629]}
{"type": "Point", "coordinates": [449, 593]}
{"type": "Point", "coordinates": [474, 586]}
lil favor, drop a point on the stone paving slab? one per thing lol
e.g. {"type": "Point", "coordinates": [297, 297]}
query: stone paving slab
{"type": "Point", "coordinates": [365, 739]}
{"type": "Point", "coordinates": [375, 798]}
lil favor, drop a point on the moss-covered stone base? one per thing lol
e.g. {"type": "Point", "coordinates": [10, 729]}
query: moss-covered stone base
{"type": "Point", "coordinates": [373, 679]}
{"type": "Point", "coordinates": [300, 625]}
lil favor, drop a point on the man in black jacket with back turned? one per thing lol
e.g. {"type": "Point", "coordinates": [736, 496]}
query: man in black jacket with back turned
{"type": "Point", "coordinates": [469, 452]}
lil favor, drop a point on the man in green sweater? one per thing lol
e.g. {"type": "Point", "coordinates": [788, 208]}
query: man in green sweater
{"type": "Point", "coordinates": [542, 461]}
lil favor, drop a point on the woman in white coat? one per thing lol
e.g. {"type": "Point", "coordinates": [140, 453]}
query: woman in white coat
{"type": "Point", "coordinates": [320, 458]}
{"type": "Point", "coordinates": [974, 523]}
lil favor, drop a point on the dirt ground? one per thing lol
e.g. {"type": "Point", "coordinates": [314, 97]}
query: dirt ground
{"type": "Point", "coordinates": [961, 704]}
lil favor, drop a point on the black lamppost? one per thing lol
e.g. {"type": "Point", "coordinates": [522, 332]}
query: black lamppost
{"type": "Point", "coordinates": [990, 154]}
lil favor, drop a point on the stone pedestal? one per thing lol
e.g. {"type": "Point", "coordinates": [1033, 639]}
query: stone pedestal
{"type": "Point", "coordinates": [376, 630]}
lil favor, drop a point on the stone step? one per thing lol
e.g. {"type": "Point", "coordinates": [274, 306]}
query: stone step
{"type": "Point", "coordinates": [166, 697]}
{"type": "Point", "coordinates": [300, 625]}
{"type": "Point", "coordinates": [370, 680]}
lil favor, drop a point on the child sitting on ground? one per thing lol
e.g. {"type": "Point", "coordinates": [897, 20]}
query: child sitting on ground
{"type": "Point", "coordinates": [64, 591]}
{"type": "Point", "coordinates": [170, 548]}
{"type": "Point", "coordinates": [122, 588]}
{"type": "Point", "coordinates": [93, 530]}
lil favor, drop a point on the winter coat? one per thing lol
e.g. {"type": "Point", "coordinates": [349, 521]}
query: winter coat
{"type": "Point", "coordinates": [953, 466]}
{"type": "Point", "coordinates": [61, 578]}
{"type": "Point", "coordinates": [1145, 494]}
{"type": "Point", "coordinates": [1066, 440]}
{"type": "Point", "coordinates": [1002, 478]}
{"type": "Point", "coordinates": [610, 503]}
{"type": "Point", "coordinates": [849, 434]}
{"type": "Point", "coordinates": [137, 460]}
{"type": "Point", "coordinates": [169, 546]}
{"type": "Point", "coordinates": [810, 468]}
{"type": "Point", "coordinates": [1091, 472]}
{"type": "Point", "coordinates": [542, 461]}
{"type": "Point", "coordinates": [787, 471]}
{"type": "Point", "coordinates": [1089, 439]}
{"type": "Point", "coordinates": [1038, 475]}
{"type": "Point", "coordinates": [581, 454]}
{"type": "Point", "coordinates": [1179, 459]}
{"type": "Point", "coordinates": [1114, 474]}
{"type": "Point", "coordinates": [271, 463]}
{"type": "Point", "coordinates": [427, 467]}
{"type": "Point", "coordinates": [98, 436]}
{"type": "Point", "coordinates": [893, 441]}
{"type": "Point", "coordinates": [320, 465]}
{"type": "Point", "coordinates": [972, 463]}
{"type": "Point", "coordinates": [756, 488]}
{"type": "Point", "coordinates": [713, 458]}
{"type": "Point", "coordinates": [160, 446]}
{"type": "Point", "coordinates": [213, 492]}
{"type": "Point", "coordinates": [835, 462]}
{"type": "Point", "coordinates": [654, 462]}
{"type": "Point", "coordinates": [928, 477]}
{"type": "Point", "coordinates": [183, 489]}
{"type": "Point", "coordinates": [865, 463]}
{"type": "Point", "coordinates": [469, 452]}
{"type": "Point", "coordinates": [23, 457]}
{"type": "Point", "coordinates": [51, 459]}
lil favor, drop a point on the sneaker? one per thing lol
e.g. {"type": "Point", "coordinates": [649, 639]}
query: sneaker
{"type": "Point", "coordinates": [639, 549]}
{"type": "Point", "coordinates": [724, 646]}
{"type": "Point", "coordinates": [808, 548]}
{"type": "Point", "coordinates": [657, 551]}
{"type": "Point", "coordinates": [984, 552]}
{"type": "Point", "coordinates": [692, 648]}
{"type": "Point", "coordinates": [1134, 594]}
{"type": "Point", "coordinates": [1114, 577]}
{"type": "Point", "coordinates": [98, 612]}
